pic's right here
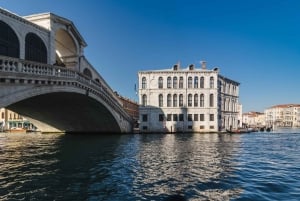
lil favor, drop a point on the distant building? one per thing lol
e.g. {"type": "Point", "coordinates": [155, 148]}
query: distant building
{"type": "Point", "coordinates": [254, 120]}
{"type": "Point", "coordinates": [11, 120]}
{"type": "Point", "coordinates": [187, 100]}
{"type": "Point", "coordinates": [131, 107]}
{"type": "Point", "coordinates": [286, 115]}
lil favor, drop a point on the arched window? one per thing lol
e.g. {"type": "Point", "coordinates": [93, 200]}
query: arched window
{"type": "Point", "coordinates": [175, 82]}
{"type": "Point", "coordinates": [202, 82]}
{"type": "Point", "coordinates": [144, 84]}
{"type": "Point", "coordinates": [175, 100]}
{"type": "Point", "coordinates": [190, 82]}
{"type": "Point", "coordinates": [180, 100]}
{"type": "Point", "coordinates": [180, 82]}
{"type": "Point", "coordinates": [202, 100]}
{"type": "Point", "coordinates": [169, 101]}
{"type": "Point", "coordinates": [144, 100]}
{"type": "Point", "coordinates": [160, 100]}
{"type": "Point", "coordinates": [196, 82]}
{"type": "Point", "coordinates": [9, 43]}
{"type": "Point", "coordinates": [160, 82]}
{"type": "Point", "coordinates": [196, 100]}
{"type": "Point", "coordinates": [169, 82]}
{"type": "Point", "coordinates": [211, 100]}
{"type": "Point", "coordinates": [190, 102]}
{"type": "Point", "coordinates": [35, 49]}
{"type": "Point", "coordinates": [211, 82]}
{"type": "Point", "coordinates": [87, 72]}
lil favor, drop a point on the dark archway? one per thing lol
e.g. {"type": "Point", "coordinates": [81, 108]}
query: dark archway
{"type": "Point", "coordinates": [35, 49]}
{"type": "Point", "coordinates": [88, 73]}
{"type": "Point", "coordinates": [9, 43]}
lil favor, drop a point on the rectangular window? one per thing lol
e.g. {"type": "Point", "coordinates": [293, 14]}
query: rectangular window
{"type": "Point", "coordinates": [195, 117]}
{"type": "Point", "coordinates": [211, 127]}
{"type": "Point", "coordinates": [181, 117]}
{"type": "Point", "coordinates": [190, 127]}
{"type": "Point", "coordinates": [169, 117]}
{"type": "Point", "coordinates": [211, 117]}
{"type": "Point", "coordinates": [190, 117]}
{"type": "Point", "coordinates": [175, 117]}
{"type": "Point", "coordinates": [145, 127]}
{"type": "Point", "coordinates": [2, 115]}
{"type": "Point", "coordinates": [201, 117]}
{"type": "Point", "coordinates": [202, 127]}
{"type": "Point", "coordinates": [145, 117]}
{"type": "Point", "coordinates": [161, 117]}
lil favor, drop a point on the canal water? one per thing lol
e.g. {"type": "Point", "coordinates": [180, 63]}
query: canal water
{"type": "Point", "coordinates": [255, 166]}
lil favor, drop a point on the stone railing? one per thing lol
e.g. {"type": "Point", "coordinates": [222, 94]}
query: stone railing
{"type": "Point", "coordinates": [14, 66]}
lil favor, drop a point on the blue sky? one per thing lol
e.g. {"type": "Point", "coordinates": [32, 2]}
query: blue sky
{"type": "Point", "coordinates": [256, 43]}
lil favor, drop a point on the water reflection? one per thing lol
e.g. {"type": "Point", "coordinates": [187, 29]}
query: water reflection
{"type": "Point", "coordinates": [197, 165]}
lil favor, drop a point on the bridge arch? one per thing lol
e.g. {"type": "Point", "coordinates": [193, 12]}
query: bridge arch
{"type": "Point", "coordinates": [88, 73]}
{"type": "Point", "coordinates": [64, 109]}
{"type": "Point", "coordinates": [35, 49]}
{"type": "Point", "coordinates": [66, 48]}
{"type": "Point", "coordinates": [9, 42]}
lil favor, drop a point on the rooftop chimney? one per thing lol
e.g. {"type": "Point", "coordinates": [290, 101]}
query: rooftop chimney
{"type": "Point", "coordinates": [203, 64]}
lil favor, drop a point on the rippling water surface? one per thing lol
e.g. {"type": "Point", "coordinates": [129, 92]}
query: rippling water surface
{"type": "Point", "coordinates": [256, 166]}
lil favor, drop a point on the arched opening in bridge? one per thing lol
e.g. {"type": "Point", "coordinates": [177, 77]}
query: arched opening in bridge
{"type": "Point", "coordinates": [88, 73]}
{"type": "Point", "coordinates": [66, 50]}
{"type": "Point", "coordinates": [9, 43]}
{"type": "Point", "coordinates": [35, 49]}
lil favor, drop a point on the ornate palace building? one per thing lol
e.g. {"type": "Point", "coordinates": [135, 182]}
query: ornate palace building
{"type": "Point", "coordinates": [187, 100]}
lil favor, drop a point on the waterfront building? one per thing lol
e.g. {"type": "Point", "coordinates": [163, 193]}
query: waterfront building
{"type": "Point", "coordinates": [10, 120]}
{"type": "Point", "coordinates": [285, 115]}
{"type": "Point", "coordinates": [187, 100]}
{"type": "Point", "coordinates": [253, 120]}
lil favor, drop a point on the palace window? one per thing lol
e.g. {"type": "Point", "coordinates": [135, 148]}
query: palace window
{"type": "Point", "coordinates": [202, 117]}
{"type": "Point", "coordinates": [195, 117]}
{"type": "Point", "coordinates": [202, 100]}
{"type": "Point", "coordinates": [175, 100]}
{"type": "Point", "coordinates": [175, 117]}
{"type": "Point", "coordinates": [211, 82]}
{"type": "Point", "coordinates": [180, 100]}
{"type": "Point", "coordinates": [211, 100]}
{"type": "Point", "coordinates": [196, 82]}
{"type": "Point", "coordinates": [190, 82]}
{"type": "Point", "coordinates": [144, 84]}
{"type": "Point", "coordinates": [180, 82]}
{"type": "Point", "coordinates": [190, 117]}
{"type": "Point", "coordinates": [190, 102]}
{"type": "Point", "coordinates": [181, 117]}
{"type": "Point", "coordinates": [211, 117]}
{"type": "Point", "coordinates": [144, 100]}
{"type": "Point", "coordinates": [202, 82]}
{"type": "Point", "coordinates": [169, 101]}
{"type": "Point", "coordinates": [169, 82]}
{"type": "Point", "coordinates": [175, 82]}
{"type": "Point", "coordinates": [160, 82]}
{"type": "Point", "coordinates": [161, 117]}
{"type": "Point", "coordinates": [160, 100]}
{"type": "Point", "coordinates": [196, 100]}
{"type": "Point", "coordinates": [144, 117]}
{"type": "Point", "coordinates": [169, 117]}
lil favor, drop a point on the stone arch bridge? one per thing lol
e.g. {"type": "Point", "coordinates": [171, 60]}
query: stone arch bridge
{"type": "Point", "coordinates": [45, 77]}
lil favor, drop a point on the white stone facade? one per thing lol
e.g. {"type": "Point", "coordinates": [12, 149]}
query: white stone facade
{"type": "Point", "coordinates": [187, 100]}
{"type": "Point", "coordinates": [285, 115]}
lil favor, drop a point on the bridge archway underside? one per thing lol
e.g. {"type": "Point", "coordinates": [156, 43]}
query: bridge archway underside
{"type": "Point", "coordinates": [67, 112]}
